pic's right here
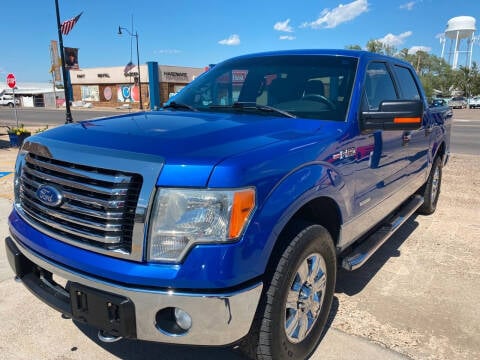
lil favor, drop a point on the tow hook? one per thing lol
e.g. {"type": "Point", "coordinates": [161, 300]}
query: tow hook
{"type": "Point", "coordinates": [106, 337]}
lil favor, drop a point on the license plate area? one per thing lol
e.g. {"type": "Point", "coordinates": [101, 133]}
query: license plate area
{"type": "Point", "coordinates": [109, 312]}
{"type": "Point", "coordinates": [105, 311]}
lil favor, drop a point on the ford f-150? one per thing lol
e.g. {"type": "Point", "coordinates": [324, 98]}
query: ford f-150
{"type": "Point", "coordinates": [221, 218]}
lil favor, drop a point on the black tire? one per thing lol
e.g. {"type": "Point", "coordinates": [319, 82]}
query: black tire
{"type": "Point", "coordinates": [10, 105]}
{"type": "Point", "coordinates": [302, 287]}
{"type": "Point", "coordinates": [431, 190]}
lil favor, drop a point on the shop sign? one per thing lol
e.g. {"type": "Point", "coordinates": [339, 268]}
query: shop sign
{"type": "Point", "coordinates": [175, 76]}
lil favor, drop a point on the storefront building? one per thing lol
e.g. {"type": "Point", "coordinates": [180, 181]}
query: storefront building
{"type": "Point", "coordinates": [119, 86]}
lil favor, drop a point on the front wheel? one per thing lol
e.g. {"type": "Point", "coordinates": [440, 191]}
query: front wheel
{"type": "Point", "coordinates": [10, 105]}
{"type": "Point", "coordinates": [431, 191]}
{"type": "Point", "coordinates": [297, 302]}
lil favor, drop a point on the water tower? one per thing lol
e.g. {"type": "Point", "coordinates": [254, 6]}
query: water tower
{"type": "Point", "coordinates": [460, 35]}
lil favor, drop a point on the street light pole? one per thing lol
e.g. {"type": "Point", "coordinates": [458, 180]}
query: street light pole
{"type": "Point", "coordinates": [66, 75]}
{"type": "Point", "coordinates": [138, 62]}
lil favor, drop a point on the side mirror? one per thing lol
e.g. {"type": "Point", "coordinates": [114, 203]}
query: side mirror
{"type": "Point", "coordinates": [394, 115]}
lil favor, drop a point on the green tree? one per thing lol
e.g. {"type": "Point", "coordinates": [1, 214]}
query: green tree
{"type": "Point", "coordinates": [375, 46]}
{"type": "Point", "coordinates": [436, 75]}
{"type": "Point", "coordinates": [475, 85]}
{"type": "Point", "coordinates": [403, 54]}
{"type": "Point", "coordinates": [353, 47]}
{"type": "Point", "coordinates": [466, 79]}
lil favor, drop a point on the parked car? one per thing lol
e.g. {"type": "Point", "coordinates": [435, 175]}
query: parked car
{"type": "Point", "coordinates": [438, 102]}
{"type": "Point", "coordinates": [458, 102]}
{"type": "Point", "coordinates": [7, 100]}
{"type": "Point", "coordinates": [474, 102]}
{"type": "Point", "coordinates": [221, 218]}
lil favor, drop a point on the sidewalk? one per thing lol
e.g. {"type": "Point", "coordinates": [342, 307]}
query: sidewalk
{"type": "Point", "coordinates": [7, 166]}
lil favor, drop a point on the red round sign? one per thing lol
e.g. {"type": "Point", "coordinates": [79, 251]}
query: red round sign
{"type": "Point", "coordinates": [11, 81]}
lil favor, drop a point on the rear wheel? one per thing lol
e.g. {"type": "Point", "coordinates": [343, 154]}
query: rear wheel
{"type": "Point", "coordinates": [431, 191]}
{"type": "Point", "coordinates": [10, 105]}
{"type": "Point", "coordinates": [295, 307]}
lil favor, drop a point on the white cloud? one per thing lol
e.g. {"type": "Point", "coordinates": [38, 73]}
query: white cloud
{"type": "Point", "coordinates": [342, 13]}
{"type": "Point", "coordinates": [283, 26]}
{"type": "Point", "coordinates": [408, 6]}
{"type": "Point", "coordinates": [414, 49]}
{"type": "Point", "coordinates": [232, 40]}
{"type": "Point", "coordinates": [395, 40]}
{"type": "Point", "coordinates": [287, 37]}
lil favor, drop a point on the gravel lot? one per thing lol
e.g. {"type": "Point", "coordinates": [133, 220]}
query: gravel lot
{"type": "Point", "coordinates": [418, 295]}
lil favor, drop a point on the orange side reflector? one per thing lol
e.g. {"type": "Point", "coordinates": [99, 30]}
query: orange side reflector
{"type": "Point", "coordinates": [414, 120]}
{"type": "Point", "coordinates": [243, 205]}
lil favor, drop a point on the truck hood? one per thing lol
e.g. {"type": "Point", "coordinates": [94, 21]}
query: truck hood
{"type": "Point", "coordinates": [197, 139]}
{"type": "Point", "coordinates": [179, 136]}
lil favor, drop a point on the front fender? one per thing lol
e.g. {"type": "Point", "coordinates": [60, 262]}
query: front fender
{"type": "Point", "coordinates": [295, 190]}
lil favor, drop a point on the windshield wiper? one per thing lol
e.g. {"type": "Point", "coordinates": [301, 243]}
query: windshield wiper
{"type": "Point", "coordinates": [175, 105]}
{"type": "Point", "coordinates": [251, 105]}
{"type": "Point", "coordinates": [275, 110]}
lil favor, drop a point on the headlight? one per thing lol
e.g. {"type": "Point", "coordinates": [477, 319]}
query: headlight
{"type": "Point", "coordinates": [183, 217]}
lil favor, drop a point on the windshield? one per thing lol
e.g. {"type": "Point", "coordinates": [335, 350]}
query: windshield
{"type": "Point", "coordinates": [306, 86]}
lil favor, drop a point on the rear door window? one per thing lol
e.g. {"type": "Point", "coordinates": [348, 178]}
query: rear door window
{"type": "Point", "coordinates": [408, 87]}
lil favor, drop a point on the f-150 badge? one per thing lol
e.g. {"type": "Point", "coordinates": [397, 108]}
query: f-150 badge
{"type": "Point", "coordinates": [343, 154]}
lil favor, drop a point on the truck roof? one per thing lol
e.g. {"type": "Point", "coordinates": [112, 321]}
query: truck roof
{"type": "Point", "coordinates": [333, 52]}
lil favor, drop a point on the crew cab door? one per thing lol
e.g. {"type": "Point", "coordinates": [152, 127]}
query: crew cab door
{"type": "Point", "coordinates": [416, 142]}
{"type": "Point", "coordinates": [389, 155]}
{"type": "Point", "coordinates": [379, 153]}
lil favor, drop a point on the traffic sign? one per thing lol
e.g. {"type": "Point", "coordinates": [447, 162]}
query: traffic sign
{"type": "Point", "coordinates": [11, 81]}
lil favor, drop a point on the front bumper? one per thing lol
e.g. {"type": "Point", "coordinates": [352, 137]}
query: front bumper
{"type": "Point", "coordinates": [217, 318]}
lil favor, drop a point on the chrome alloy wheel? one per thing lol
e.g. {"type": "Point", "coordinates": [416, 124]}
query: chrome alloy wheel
{"type": "Point", "coordinates": [305, 297]}
{"type": "Point", "coordinates": [435, 185]}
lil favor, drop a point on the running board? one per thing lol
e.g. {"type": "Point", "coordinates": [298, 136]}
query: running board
{"type": "Point", "coordinates": [367, 248]}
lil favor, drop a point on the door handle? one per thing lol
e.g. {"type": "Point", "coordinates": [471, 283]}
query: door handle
{"type": "Point", "coordinates": [406, 137]}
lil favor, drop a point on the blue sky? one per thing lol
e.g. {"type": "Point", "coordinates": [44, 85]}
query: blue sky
{"type": "Point", "coordinates": [198, 33]}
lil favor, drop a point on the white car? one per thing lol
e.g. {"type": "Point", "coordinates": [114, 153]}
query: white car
{"type": "Point", "coordinates": [474, 102]}
{"type": "Point", "coordinates": [458, 102]}
{"type": "Point", "coordinates": [7, 100]}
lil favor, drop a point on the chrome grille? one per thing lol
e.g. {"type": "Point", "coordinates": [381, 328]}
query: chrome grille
{"type": "Point", "coordinates": [98, 206]}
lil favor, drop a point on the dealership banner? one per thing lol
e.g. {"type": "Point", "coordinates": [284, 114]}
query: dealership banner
{"type": "Point", "coordinates": [71, 58]}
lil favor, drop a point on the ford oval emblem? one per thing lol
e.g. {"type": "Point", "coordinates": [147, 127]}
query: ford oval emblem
{"type": "Point", "coordinates": [49, 195]}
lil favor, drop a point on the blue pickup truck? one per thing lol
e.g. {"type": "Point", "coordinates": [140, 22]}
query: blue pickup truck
{"type": "Point", "coordinates": [222, 218]}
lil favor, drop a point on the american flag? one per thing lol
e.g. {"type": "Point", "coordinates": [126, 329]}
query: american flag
{"type": "Point", "coordinates": [68, 25]}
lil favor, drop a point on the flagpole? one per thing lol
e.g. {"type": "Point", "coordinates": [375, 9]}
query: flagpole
{"type": "Point", "coordinates": [66, 88]}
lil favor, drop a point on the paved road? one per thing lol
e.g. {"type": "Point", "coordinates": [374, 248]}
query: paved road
{"type": "Point", "coordinates": [466, 132]}
{"type": "Point", "coordinates": [39, 117]}
{"type": "Point", "coordinates": [466, 136]}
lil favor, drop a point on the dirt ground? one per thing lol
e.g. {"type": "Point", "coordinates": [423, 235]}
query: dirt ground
{"type": "Point", "coordinates": [419, 294]}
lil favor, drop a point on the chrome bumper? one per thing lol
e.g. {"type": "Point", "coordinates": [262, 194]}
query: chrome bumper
{"type": "Point", "coordinates": [217, 319]}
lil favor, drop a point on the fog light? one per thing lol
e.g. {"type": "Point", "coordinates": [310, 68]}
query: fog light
{"type": "Point", "coordinates": [183, 319]}
{"type": "Point", "coordinates": [173, 321]}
